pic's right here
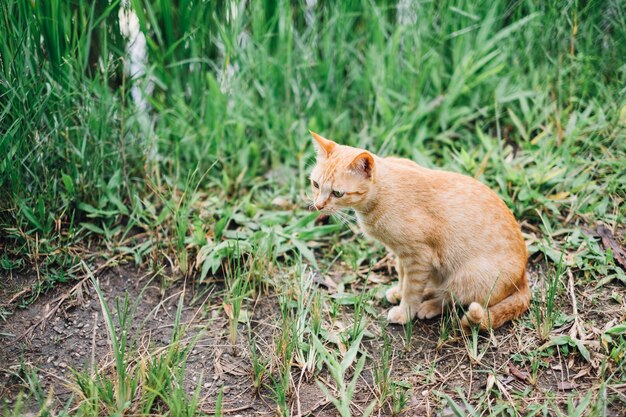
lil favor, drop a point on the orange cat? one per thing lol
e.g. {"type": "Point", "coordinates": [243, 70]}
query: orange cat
{"type": "Point", "coordinates": [454, 238]}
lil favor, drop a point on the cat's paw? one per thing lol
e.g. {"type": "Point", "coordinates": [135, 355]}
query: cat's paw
{"type": "Point", "coordinates": [393, 294]}
{"type": "Point", "coordinates": [399, 315]}
{"type": "Point", "coordinates": [475, 316]}
{"type": "Point", "coordinates": [429, 309]}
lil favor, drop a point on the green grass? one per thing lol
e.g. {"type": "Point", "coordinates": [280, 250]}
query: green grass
{"type": "Point", "coordinates": [489, 90]}
{"type": "Point", "coordinates": [211, 170]}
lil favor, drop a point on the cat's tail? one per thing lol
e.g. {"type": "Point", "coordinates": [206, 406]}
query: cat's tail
{"type": "Point", "coordinates": [495, 316]}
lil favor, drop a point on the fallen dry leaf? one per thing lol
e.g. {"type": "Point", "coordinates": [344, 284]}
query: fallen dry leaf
{"type": "Point", "coordinates": [228, 309]}
{"type": "Point", "coordinates": [609, 242]}
{"type": "Point", "coordinates": [282, 202]}
{"type": "Point", "coordinates": [491, 380]}
{"type": "Point", "coordinates": [566, 385]}
{"type": "Point", "coordinates": [378, 279]}
{"type": "Point", "coordinates": [518, 373]}
{"type": "Point", "coordinates": [325, 281]}
{"type": "Point", "coordinates": [217, 366]}
{"type": "Point", "coordinates": [581, 373]}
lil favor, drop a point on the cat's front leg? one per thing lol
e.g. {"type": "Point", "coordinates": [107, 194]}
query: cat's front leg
{"type": "Point", "coordinates": [413, 285]}
{"type": "Point", "coordinates": [394, 294]}
{"type": "Point", "coordinates": [434, 303]}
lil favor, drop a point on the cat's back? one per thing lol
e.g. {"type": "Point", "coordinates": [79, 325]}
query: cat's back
{"type": "Point", "coordinates": [449, 194]}
{"type": "Point", "coordinates": [477, 216]}
{"type": "Point", "coordinates": [395, 161]}
{"type": "Point", "coordinates": [450, 203]}
{"type": "Point", "coordinates": [442, 188]}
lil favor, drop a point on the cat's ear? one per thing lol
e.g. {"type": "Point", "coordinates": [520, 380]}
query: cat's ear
{"type": "Point", "coordinates": [363, 165]}
{"type": "Point", "coordinates": [323, 146]}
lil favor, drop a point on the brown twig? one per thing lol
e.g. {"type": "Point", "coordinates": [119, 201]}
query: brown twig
{"type": "Point", "coordinates": [577, 330]}
{"type": "Point", "coordinates": [57, 302]}
{"type": "Point", "coordinates": [226, 410]}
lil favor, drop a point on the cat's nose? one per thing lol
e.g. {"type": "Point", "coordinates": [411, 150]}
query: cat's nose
{"type": "Point", "coordinates": [319, 205]}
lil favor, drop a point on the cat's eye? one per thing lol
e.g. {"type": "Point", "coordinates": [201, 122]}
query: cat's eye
{"type": "Point", "coordinates": [316, 185]}
{"type": "Point", "coordinates": [338, 194]}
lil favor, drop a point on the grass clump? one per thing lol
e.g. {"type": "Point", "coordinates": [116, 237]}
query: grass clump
{"type": "Point", "coordinates": [144, 384]}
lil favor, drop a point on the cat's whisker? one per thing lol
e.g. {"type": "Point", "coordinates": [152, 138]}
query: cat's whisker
{"type": "Point", "coordinates": [341, 219]}
{"type": "Point", "coordinates": [349, 216]}
{"type": "Point", "coordinates": [344, 218]}
{"type": "Point", "coordinates": [355, 219]}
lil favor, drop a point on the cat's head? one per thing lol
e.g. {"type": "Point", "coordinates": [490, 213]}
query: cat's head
{"type": "Point", "coordinates": [343, 176]}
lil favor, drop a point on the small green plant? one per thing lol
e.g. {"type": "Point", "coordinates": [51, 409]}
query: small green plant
{"type": "Point", "coordinates": [613, 341]}
{"type": "Point", "coordinates": [280, 387]}
{"type": "Point", "coordinates": [576, 407]}
{"type": "Point", "coordinates": [258, 365]}
{"type": "Point", "coordinates": [117, 394]}
{"type": "Point", "coordinates": [472, 345]}
{"type": "Point", "coordinates": [544, 308]}
{"type": "Point", "coordinates": [305, 353]}
{"type": "Point", "coordinates": [408, 334]}
{"type": "Point", "coordinates": [334, 309]}
{"type": "Point", "coordinates": [317, 308]}
{"type": "Point", "coordinates": [445, 327]}
{"type": "Point", "coordinates": [45, 402]}
{"type": "Point", "coordinates": [218, 403]}
{"type": "Point", "coordinates": [284, 352]}
{"type": "Point", "coordinates": [382, 369]}
{"type": "Point", "coordinates": [237, 278]}
{"type": "Point", "coordinates": [459, 410]}
{"type": "Point", "coordinates": [399, 397]}
{"type": "Point", "coordinates": [338, 369]}
{"type": "Point", "coordinates": [16, 409]}
{"type": "Point", "coordinates": [360, 305]}
{"type": "Point", "coordinates": [281, 382]}
{"type": "Point", "coordinates": [427, 373]}
{"type": "Point", "coordinates": [535, 364]}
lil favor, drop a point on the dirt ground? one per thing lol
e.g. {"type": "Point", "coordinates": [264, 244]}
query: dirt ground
{"type": "Point", "coordinates": [74, 337]}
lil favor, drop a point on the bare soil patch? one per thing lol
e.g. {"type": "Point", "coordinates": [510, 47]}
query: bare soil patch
{"type": "Point", "coordinates": [428, 362]}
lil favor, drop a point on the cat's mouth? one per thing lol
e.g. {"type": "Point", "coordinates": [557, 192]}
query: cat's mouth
{"type": "Point", "coordinates": [322, 219]}
{"type": "Point", "coordinates": [323, 211]}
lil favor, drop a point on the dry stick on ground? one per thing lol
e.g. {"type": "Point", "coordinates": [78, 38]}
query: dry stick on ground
{"type": "Point", "coordinates": [387, 262]}
{"type": "Point", "coordinates": [577, 329]}
{"type": "Point", "coordinates": [18, 295]}
{"type": "Point", "coordinates": [320, 403]}
{"type": "Point", "coordinates": [93, 344]}
{"type": "Point", "coordinates": [76, 289]}
{"type": "Point", "coordinates": [26, 290]}
{"type": "Point", "coordinates": [37, 254]}
{"type": "Point", "coordinates": [297, 391]}
{"type": "Point", "coordinates": [226, 411]}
